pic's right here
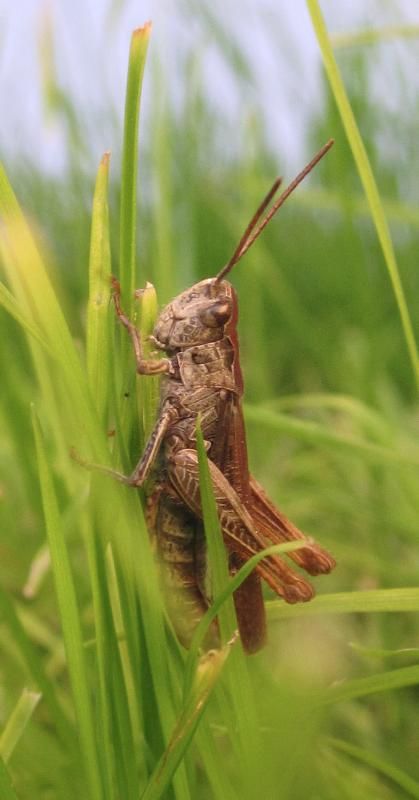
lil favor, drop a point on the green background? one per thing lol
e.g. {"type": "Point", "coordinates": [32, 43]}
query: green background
{"type": "Point", "coordinates": [327, 348]}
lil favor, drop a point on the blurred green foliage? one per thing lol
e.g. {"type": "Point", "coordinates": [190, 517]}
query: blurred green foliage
{"type": "Point", "coordinates": [333, 436]}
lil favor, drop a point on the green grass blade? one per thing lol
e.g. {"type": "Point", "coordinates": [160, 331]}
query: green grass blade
{"type": "Point", "coordinates": [226, 592]}
{"type": "Point", "coordinates": [98, 344]}
{"type": "Point", "coordinates": [17, 722]}
{"type": "Point", "coordinates": [9, 303]}
{"type": "Point", "coordinates": [382, 682]}
{"type": "Point", "coordinates": [119, 625]}
{"type": "Point", "coordinates": [35, 295]}
{"type": "Point", "coordinates": [28, 277]}
{"type": "Point", "coordinates": [329, 200]}
{"type": "Point", "coordinates": [7, 791]}
{"type": "Point", "coordinates": [385, 33]}
{"type": "Point", "coordinates": [128, 210]}
{"type": "Point", "coordinates": [38, 569]}
{"type": "Point", "coordinates": [240, 690]}
{"type": "Point", "coordinates": [383, 653]}
{"type": "Point", "coordinates": [70, 618]}
{"type": "Point", "coordinates": [33, 663]}
{"type": "Point", "coordinates": [315, 433]}
{"type": "Point", "coordinates": [367, 178]}
{"type": "Point", "coordinates": [107, 743]}
{"type": "Point", "coordinates": [208, 673]}
{"type": "Point", "coordinates": [394, 774]}
{"type": "Point", "coordinates": [365, 602]}
{"type": "Point", "coordinates": [149, 385]}
{"type": "Point", "coordinates": [245, 727]}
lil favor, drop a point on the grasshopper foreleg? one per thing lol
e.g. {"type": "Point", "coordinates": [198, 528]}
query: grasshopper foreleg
{"type": "Point", "coordinates": [145, 366]}
{"type": "Point", "coordinates": [145, 464]}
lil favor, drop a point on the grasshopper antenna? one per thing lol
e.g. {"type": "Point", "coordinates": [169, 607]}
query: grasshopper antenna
{"type": "Point", "coordinates": [256, 217]}
{"type": "Point", "coordinates": [250, 235]}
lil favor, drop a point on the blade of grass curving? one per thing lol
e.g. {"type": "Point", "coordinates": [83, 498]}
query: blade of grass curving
{"type": "Point", "coordinates": [226, 592]}
{"type": "Point", "coordinates": [367, 178]}
{"type": "Point", "coordinates": [33, 289]}
{"type": "Point", "coordinates": [28, 277]}
{"type": "Point", "coordinates": [98, 363]}
{"type": "Point", "coordinates": [205, 679]}
{"type": "Point", "coordinates": [382, 682]}
{"type": "Point", "coordinates": [314, 433]}
{"type": "Point", "coordinates": [128, 209]}
{"type": "Point", "coordinates": [385, 33]}
{"type": "Point", "coordinates": [244, 732]}
{"type": "Point", "coordinates": [365, 602]}
{"type": "Point", "coordinates": [34, 665]}
{"type": "Point", "coordinates": [7, 791]}
{"type": "Point", "coordinates": [326, 199]}
{"type": "Point", "coordinates": [17, 722]}
{"type": "Point", "coordinates": [66, 400]}
{"type": "Point", "coordinates": [383, 653]}
{"type": "Point", "coordinates": [394, 774]}
{"type": "Point", "coordinates": [34, 293]}
{"type": "Point", "coordinates": [70, 619]}
{"type": "Point", "coordinates": [8, 301]}
{"type": "Point", "coordinates": [368, 417]}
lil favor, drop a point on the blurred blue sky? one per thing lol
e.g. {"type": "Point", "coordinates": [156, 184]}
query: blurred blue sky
{"type": "Point", "coordinates": [91, 40]}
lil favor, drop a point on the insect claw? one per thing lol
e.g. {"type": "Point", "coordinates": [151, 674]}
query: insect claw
{"type": "Point", "coordinates": [116, 286]}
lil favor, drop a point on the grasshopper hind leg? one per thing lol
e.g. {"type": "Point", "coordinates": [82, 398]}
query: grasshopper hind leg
{"type": "Point", "coordinates": [243, 540]}
{"type": "Point", "coordinates": [277, 528]}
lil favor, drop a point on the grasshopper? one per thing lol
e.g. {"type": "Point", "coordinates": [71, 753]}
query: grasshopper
{"type": "Point", "coordinates": [202, 376]}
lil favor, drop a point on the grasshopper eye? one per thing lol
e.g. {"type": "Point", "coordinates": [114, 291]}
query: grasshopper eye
{"type": "Point", "coordinates": [215, 315]}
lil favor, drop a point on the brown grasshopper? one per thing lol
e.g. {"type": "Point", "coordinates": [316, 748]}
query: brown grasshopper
{"type": "Point", "coordinates": [201, 375]}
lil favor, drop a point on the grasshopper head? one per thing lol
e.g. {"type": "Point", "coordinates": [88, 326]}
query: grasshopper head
{"type": "Point", "coordinates": [197, 316]}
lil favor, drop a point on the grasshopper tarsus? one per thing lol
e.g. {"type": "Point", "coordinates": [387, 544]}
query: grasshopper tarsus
{"type": "Point", "coordinates": [109, 471]}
